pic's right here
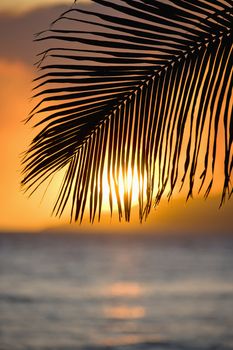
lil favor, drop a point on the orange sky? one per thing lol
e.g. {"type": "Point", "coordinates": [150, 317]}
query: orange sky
{"type": "Point", "coordinates": [17, 212]}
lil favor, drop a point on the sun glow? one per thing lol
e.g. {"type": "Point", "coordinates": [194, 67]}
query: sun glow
{"type": "Point", "coordinates": [129, 185]}
{"type": "Point", "coordinates": [124, 312]}
{"type": "Point", "coordinates": [124, 289]}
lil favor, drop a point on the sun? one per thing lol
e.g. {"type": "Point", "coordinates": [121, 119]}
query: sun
{"type": "Point", "coordinates": [128, 185]}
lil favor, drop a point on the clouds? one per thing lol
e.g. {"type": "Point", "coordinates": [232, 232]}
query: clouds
{"type": "Point", "coordinates": [17, 54]}
{"type": "Point", "coordinates": [19, 6]}
{"type": "Point", "coordinates": [16, 32]}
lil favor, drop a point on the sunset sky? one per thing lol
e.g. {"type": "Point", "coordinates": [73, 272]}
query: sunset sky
{"type": "Point", "coordinates": [19, 20]}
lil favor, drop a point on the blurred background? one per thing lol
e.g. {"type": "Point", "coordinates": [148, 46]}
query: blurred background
{"type": "Point", "coordinates": [163, 284]}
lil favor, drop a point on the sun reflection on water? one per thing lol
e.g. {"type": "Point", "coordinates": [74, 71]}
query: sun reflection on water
{"type": "Point", "coordinates": [125, 289]}
{"type": "Point", "coordinates": [123, 293]}
{"type": "Point", "coordinates": [124, 312]}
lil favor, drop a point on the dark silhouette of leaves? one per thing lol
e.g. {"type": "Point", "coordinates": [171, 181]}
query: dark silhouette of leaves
{"type": "Point", "coordinates": [132, 84]}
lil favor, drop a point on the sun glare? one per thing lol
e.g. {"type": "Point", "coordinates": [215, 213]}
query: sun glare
{"type": "Point", "coordinates": [128, 185]}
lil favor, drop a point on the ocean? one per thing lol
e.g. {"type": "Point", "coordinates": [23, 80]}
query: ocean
{"type": "Point", "coordinates": [63, 291]}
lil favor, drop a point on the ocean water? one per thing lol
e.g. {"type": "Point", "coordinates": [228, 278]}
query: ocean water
{"type": "Point", "coordinates": [84, 292]}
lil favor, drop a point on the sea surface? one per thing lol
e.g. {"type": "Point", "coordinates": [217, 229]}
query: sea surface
{"type": "Point", "coordinates": [115, 292]}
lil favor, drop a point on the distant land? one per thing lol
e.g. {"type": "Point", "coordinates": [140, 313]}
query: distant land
{"type": "Point", "coordinates": [178, 217]}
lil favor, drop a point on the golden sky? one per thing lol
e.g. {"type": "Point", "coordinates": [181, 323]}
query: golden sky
{"type": "Point", "coordinates": [17, 212]}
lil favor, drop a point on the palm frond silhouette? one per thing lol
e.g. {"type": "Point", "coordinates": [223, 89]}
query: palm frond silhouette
{"type": "Point", "coordinates": [131, 84]}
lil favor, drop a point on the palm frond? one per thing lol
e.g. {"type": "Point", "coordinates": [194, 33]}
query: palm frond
{"type": "Point", "coordinates": [133, 84]}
